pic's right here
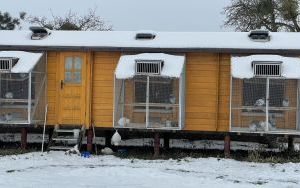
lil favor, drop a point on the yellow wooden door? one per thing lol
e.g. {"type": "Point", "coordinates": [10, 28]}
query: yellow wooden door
{"type": "Point", "coordinates": [72, 95]}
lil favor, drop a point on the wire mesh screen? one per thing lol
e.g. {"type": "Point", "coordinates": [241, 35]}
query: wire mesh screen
{"type": "Point", "coordinates": [14, 97]}
{"type": "Point", "coordinates": [254, 99]}
{"type": "Point", "coordinates": [23, 96]}
{"type": "Point", "coordinates": [143, 102]}
{"type": "Point", "coordinates": [38, 86]}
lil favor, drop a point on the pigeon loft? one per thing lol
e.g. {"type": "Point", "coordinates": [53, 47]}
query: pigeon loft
{"type": "Point", "coordinates": [173, 82]}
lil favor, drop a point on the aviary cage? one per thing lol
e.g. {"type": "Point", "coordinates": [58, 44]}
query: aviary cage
{"type": "Point", "coordinates": [264, 94]}
{"type": "Point", "coordinates": [149, 92]}
{"type": "Point", "coordinates": [22, 87]}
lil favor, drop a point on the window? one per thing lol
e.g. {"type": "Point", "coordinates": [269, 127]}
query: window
{"type": "Point", "coordinates": [73, 69]}
{"type": "Point", "coordinates": [160, 92]}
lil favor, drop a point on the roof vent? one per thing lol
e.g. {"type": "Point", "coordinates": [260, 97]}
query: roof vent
{"type": "Point", "coordinates": [6, 63]}
{"type": "Point", "coordinates": [259, 35]}
{"type": "Point", "coordinates": [267, 69]}
{"type": "Point", "coordinates": [39, 33]}
{"type": "Point", "coordinates": [148, 67]}
{"type": "Point", "coordinates": [146, 35]}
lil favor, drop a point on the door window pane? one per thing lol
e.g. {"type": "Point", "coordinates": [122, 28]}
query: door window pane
{"type": "Point", "coordinates": [78, 63]}
{"type": "Point", "coordinates": [68, 63]}
{"type": "Point", "coordinates": [68, 77]}
{"type": "Point", "coordinates": [77, 77]}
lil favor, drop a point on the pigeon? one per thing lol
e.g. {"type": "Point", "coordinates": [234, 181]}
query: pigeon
{"type": "Point", "coordinates": [9, 95]}
{"type": "Point", "coordinates": [285, 102]}
{"type": "Point", "coordinates": [172, 99]}
{"type": "Point", "coordinates": [8, 117]}
{"type": "Point", "coordinates": [260, 102]}
{"type": "Point", "coordinates": [272, 121]}
{"type": "Point", "coordinates": [254, 125]}
{"type": "Point", "coordinates": [123, 121]}
{"type": "Point", "coordinates": [263, 126]}
{"type": "Point", "coordinates": [116, 139]}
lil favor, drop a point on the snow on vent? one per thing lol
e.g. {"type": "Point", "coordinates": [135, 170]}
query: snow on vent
{"type": "Point", "coordinates": [6, 64]}
{"type": "Point", "coordinates": [148, 67]}
{"type": "Point", "coordinates": [39, 33]}
{"type": "Point", "coordinates": [148, 35]}
{"type": "Point", "coordinates": [262, 69]}
{"type": "Point", "coordinates": [259, 35]}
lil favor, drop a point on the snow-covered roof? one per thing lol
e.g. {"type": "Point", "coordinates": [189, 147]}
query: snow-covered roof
{"type": "Point", "coordinates": [241, 66]}
{"type": "Point", "coordinates": [167, 40]}
{"type": "Point", "coordinates": [26, 62]}
{"type": "Point", "coordinates": [173, 64]}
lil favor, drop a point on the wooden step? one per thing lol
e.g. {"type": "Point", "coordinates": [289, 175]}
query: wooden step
{"type": "Point", "coordinates": [64, 139]}
{"type": "Point", "coordinates": [64, 131]}
{"type": "Point", "coordinates": [63, 148]}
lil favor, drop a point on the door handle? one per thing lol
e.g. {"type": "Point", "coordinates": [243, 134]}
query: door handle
{"type": "Point", "coordinates": [61, 84]}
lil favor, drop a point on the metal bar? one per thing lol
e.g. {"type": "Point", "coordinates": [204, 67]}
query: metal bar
{"type": "Point", "coordinates": [180, 102]}
{"type": "Point", "coordinates": [230, 104]}
{"type": "Point", "coordinates": [123, 97]}
{"type": "Point", "coordinates": [44, 129]}
{"type": "Point", "coordinates": [147, 102]}
{"type": "Point", "coordinates": [267, 104]}
{"type": "Point", "coordinates": [114, 103]}
{"type": "Point", "coordinates": [297, 108]}
{"type": "Point", "coordinates": [29, 98]}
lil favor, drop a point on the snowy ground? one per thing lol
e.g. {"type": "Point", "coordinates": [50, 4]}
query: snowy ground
{"type": "Point", "coordinates": [55, 169]}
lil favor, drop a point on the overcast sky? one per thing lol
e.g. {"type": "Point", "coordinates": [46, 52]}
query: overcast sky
{"type": "Point", "coordinates": [159, 15]}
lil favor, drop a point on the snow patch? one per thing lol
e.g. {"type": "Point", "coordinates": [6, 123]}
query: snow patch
{"type": "Point", "coordinates": [26, 62]}
{"type": "Point", "coordinates": [173, 64]}
{"type": "Point", "coordinates": [55, 169]}
{"type": "Point", "coordinates": [241, 66]}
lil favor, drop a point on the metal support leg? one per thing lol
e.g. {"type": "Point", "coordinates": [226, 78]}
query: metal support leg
{"type": "Point", "coordinates": [90, 136]}
{"type": "Point", "coordinates": [156, 144]}
{"type": "Point", "coordinates": [290, 144]}
{"type": "Point", "coordinates": [227, 146]}
{"type": "Point", "coordinates": [108, 136]}
{"type": "Point", "coordinates": [166, 141]}
{"type": "Point", "coordinates": [23, 138]}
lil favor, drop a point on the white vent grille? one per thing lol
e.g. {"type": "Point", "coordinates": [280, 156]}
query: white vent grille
{"type": "Point", "coordinates": [148, 67]}
{"type": "Point", "coordinates": [6, 64]}
{"type": "Point", "coordinates": [267, 69]}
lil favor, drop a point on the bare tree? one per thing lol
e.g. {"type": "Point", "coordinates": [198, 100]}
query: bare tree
{"type": "Point", "coordinates": [72, 21]}
{"type": "Point", "coordinates": [7, 22]}
{"type": "Point", "coordinates": [274, 15]}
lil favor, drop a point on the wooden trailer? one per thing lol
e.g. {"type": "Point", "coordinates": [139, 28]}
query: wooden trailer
{"type": "Point", "coordinates": [160, 81]}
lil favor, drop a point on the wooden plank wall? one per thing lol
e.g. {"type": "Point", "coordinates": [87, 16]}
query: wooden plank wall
{"type": "Point", "coordinates": [52, 64]}
{"type": "Point", "coordinates": [102, 87]}
{"type": "Point", "coordinates": [207, 92]}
